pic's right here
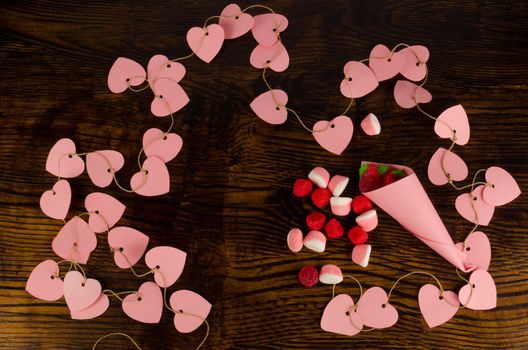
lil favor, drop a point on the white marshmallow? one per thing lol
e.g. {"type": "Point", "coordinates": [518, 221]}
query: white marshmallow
{"type": "Point", "coordinates": [341, 206]}
{"type": "Point", "coordinates": [330, 274]}
{"type": "Point", "coordinates": [368, 220]}
{"type": "Point", "coordinates": [295, 240]}
{"type": "Point", "coordinates": [361, 254]}
{"type": "Point", "coordinates": [316, 241]}
{"type": "Point", "coordinates": [371, 125]}
{"type": "Point", "coordinates": [319, 176]}
{"type": "Point", "coordinates": [338, 184]}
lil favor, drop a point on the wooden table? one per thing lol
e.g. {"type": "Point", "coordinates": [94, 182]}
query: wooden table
{"type": "Point", "coordinates": [230, 205]}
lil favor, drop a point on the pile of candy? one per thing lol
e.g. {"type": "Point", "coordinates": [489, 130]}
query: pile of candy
{"type": "Point", "coordinates": [372, 177]}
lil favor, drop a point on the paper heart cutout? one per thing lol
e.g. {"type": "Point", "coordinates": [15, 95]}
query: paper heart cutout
{"type": "Point", "coordinates": [75, 241]}
{"type": "Point", "coordinates": [270, 106]}
{"type": "Point", "coordinates": [55, 203]}
{"type": "Point", "coordinates": [44, 282]}
{"type": "Point", "coordinates": [502, 187]}
{"type": "Point", "coordinates": [484, 294]}
{"type": "Point", "coordinates": [339, 316]}
{"type": "Point", "coordinates": [160, 66]}
{"type": "Point", "coordinates": [374, 308]}
{"type": "Point", "coordinates": [275, 57]}
{"type": "Point", "coordinates": [334, 135]}
{"type": "Point", "coordinates": [162, 145]}
{"type": "Point", "coordinates": [105, 211]}
{"type": "Point", "coordinates": [453, 165]}
{"type": "Point", "coordinates": [415, 58]}
{"type": "Point", "coordinates": [437, 308]}
{"type": "Point", "coordinates": [407, 94]}
{"type": "Point", "coordinates": [101, 166]}
{"type": "Point", "coordinates": [146, 305]}
{"type": "Point", "coordinates": [235, 22]}
{"type": "Point", "coordinates": [125, 73]}
{"type": "Point", "coordinates": [63, 161]}
{"type": "Point", "coordinates": [457, 120]}
{"type": "Point", "coordinates": [478, 250]}
{"type": "Point", "coordinates": [483, 209]}
{"type": "Point", "coordinates": [191, 310]}
{"type": "Point", "coordinates": [168, 262]}
{"type": "Point", "coordinates": [128, 245]}
{"type": "Point", "coordinates": [383, 64]}
{"type": "Point", "coordinates": [169, 97]}
{"type": "Point", "coordinates": [80, 293]}
{"type": "Point", "coordinates": [206, 42]}
{"type": "Point", "coordinates": [154, 180]}
{"type": "Point", "coordinates": [267, 27]}
{"type": "Point", "coordinates": [359, 80]}
{"type": "Point", "coordinates": [95, 310]}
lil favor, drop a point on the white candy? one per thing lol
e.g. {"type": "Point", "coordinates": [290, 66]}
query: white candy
{"type": "Point", "coordinates": [371, 125]}
{"type": "Point", "coordinates": [338, 184]}
{"type": "Point", "coordinates": [295, 240]}
{"type": "Point", "coordinates": [368, 220]}
{"type": "Point", "coordinates": [341, 206]}
{"type": "Point", "coordinates": [361, 254]}
{"type": "Point", "coordinates": [315, 241]}
{"type": "Point", "coordinates": [319, 176]}
{"type": "Point", "coordinates": [330, 274]}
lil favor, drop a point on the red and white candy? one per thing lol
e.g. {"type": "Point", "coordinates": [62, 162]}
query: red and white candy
{"type": "Point", "coordinates": [371, 125]}
{"type": "Point", "coordinates": [361, 254]}
{"type": "Point", "coordinates": [316, 241]}
{"type": "Point", "coordinates": [341, 206]}
{"type": "Point", "coordinates": [330, 274]}
{"type": "Point", "coordinates": [295, 240]}
{"type": "Point", "coordinates": [319, 176]}
{"type": "Point", "coordinates": [337, 184]}
{"type": "Point", "coordinates": [368, 220]}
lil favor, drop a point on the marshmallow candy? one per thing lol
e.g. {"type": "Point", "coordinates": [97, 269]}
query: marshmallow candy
{"type": "Point", "coordinates": [319, 176]}
{"type": "Point", "coordinates": [316, 241]}
{"type": "Point", "coordinates": [361, 254]}
{"type": "Point", "coordinates": [371, 125]}
{"type": "Point", "coordinates": [330, 274]}
{"type": "Point", "coordinates": [337, 185]}
{"type": "Point", "coordinates": [368, 220]}
{"type": "Point", "coordinates": [341, 206]}
{"type": "Point", "coordinates": [295, 240]}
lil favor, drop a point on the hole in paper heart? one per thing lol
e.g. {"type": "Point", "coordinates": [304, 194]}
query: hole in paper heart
{"type": "Point", "coordinates": [168, 65]}
{"type": "Point", "coordinates": [441, 297]}
{"type": "Point", "coordinates": [53, 192]}
{"type": "Point", "coordinates": [468, 249]}
{"type": "Point", "coordinates": [161, 96]}
{"type": "Point", "coordinates": [474, 198]}
{"type": "Point", "coordinates": [165, 137]}
{"type": "Point", "coordinates": [75, 244]}
{"type": "Point", "coordinates": [473, 285]}
{"type": "Point", "coordinates": [109, 170]}
{"type": "Point", "coordinates": [349, 79]}
{"type": "Point", "coordinates": [492, 186]}
{"type": "Point", "coordinates": [139, 299]}
{"type": "Point", "coordinates": [236, 17]}
{"type": "Point", "coordinates": [83, 284]}
{"type": "Point", "coordinates": [52, 277]}
{"type": "Point", "coordinates": [268, 61]}
{"type": "Point", "coordinates": [332, 126]}
{"type": "Point", "coordinates": [157, 267]}
{"type": "Point", "coordinates": [180, 311]}
{"type": "Point", "coordinates": [347, 313]}
{"type": "Point", "coordinates": [417, 64]}
{"type": "Point", "coordinates": [146, 172]}
{"type": "Point", "coordinates": [70, 156]}
{"type": "Point", "coordinates": [97, 211]}
{"type": "Point", "coordinates": [120, 249]}
{"type": "Point", "coordinates": [389, 59]}
{"type": "Point", "coordinates": [277, 108]}
{"type": "Point", "coordinates": [274, 29]}
{"type": "Point", "coordinates": [383, 306]}
{"type": "Point", "coordinates": [206, 34]}
{"type": "Point", "coordinates": [127, 80]}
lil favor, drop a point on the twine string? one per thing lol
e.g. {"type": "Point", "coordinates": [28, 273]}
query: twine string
{"type": "Point", "coordinates": [415, 273]}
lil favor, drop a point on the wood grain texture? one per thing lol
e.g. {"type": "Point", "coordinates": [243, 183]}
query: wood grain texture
{"type": "Point", "coordinates": [230, 204]}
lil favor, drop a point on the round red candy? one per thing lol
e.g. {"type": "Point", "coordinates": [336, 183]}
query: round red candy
{"type": "Point", "coordinates": [315, 221]}
{"type": "Point", "coordinates": [334, 229]}
{"type": "Point", "coordinates": [357, 235]}
{"type": "Point", "coordinates": [302, 187]}
{"type": "Point", "coordinates": [308, 276]}
{"type": "Point", "coordinates": [361, 204]}
{"type": "Point", "coordinates": [321, 197]}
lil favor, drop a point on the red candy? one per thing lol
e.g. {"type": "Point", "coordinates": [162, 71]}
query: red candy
{"type": "Point", "coordinates": [370, 180]}
{"type": "Point", "coordinates": [357, 235]}
{"type": "Point", "coordinates": [334, 229]}
{"type": "Point", "coordinates": [321, 197]}
{"type": "Point", "coordinates": [361, 204]}
{"type": "Point", "coordinates": [302, 187]}
{"type": "Point", "coordinates": [308, 276]}
{"type": "Point", "coordinates": [315, 220]}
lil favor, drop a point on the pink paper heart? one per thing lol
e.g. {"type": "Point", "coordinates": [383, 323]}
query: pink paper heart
{"type": "Point", "coordinates": [55, 203]}
{"type": "Point", "coordinates": [165, 146]}
{"type": "Point", "coordinates": [80, 293]}
{"type": "Point", "coordinates": [44, 282]}
{"type": "Point", "coordinates": [502, 187]}
{"type": "Point", "coordinates": [168, 262]}
{"type": "Point", "coordinates": [95, 310]}
{"type": "Point", "coordinates": [478, 250]}
{"type": "Point", "coordinates": [160, 66]}
{"type": "Point", "coordinates": [340, 316]}
{"type": "Point", "coordinates": [270, 106]}
{"type": "Point", "coordinates": [105, 211]}
{"type": "Point", "coordinates": [334, 135]}
{"type": "Point", "coordinates": [154, 180]}
{"type": "Point", "coordinates": [437, 308]}
{"type": "Point", "coordinates": [453, 165]}
{"type": "Point", "coordinates": [75, 241]}
{"type": "Point", "coordinates": [484, 294]}
{"type": "Point", "coordinates": [275, 57]}
{"type": "Point", "coordinates": [235, 22]}
{"type": "Point", "coordinates": [383, 64]}
{"type": "Point", "coordinates": [407, 94]}
{"type": "Point", "coordinates": [483, 209]}
{"type": "Point", "coordinates": [206, 42]}
{"type": "Point", "coordinates": [191, 310]}
{"type": "Point", "coordinates": [128, 245]}
{"type": "Point", "coordinates": [457, 120]}
{"type": "Point", "coordinates": [374, 308]}
{"type": "Point", "coordinates": [63, 161]}
{"type": "Point", "coordinates": [359, 80]}
{"type": "Point", "coordinates": [169, 97]}
{"type": "Point", "coordinates": [125, 73]}
{"type": "Point", "coordinates": [415, 58]}
{"type": "Point", "coordinates": [101, 166]}
{"type": "Point", "coordinates": [146, 305]}
{"type": "Point", "coordinates": [267, 27]}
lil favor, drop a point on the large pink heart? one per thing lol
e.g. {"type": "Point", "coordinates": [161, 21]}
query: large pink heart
{"type": "Point", "coordinates": [270, 106]}
{"type": "Point", "coordinates": [383, 64]}
{"type": "Point", "coordinates": [502, 187]}
{"type": "Point", "coordinates": [374, 308]}
{"type": "Point", "coordinates": [478, 250]}
{"type": "Point", "coordinates": [267, 27]}
{"type": "Point", "coordinates": [63, 161]}
{"type": "Point", "coordinates": [154, 180]}
{"type": "Point", "coordinates": [415, 58]}
{"type": "Point", "coordinates": [55, 203]}
{"type": "Point", "coordinates": [191, 310]}
{"type": "Point", "coordinates": [359, 80]}
{"type": "Point", "coordinates": [168, 262]}
{"type": "Point", "coordinates": [44, 281]}
{"type": "Point", "coordinates": [80, 293]}
{"type": "Point", "coordinates": [275, 57]}
{"type": "Point", "coordinates": [483, 210]}
{"type": "Point", "coordinates": [206, 42]}
{"type": "Point", "coordinates": [105, 211]}
{"type": "Point", "coordinates": [457, 120]}
{"type": "Point", "coordinates": [160, 66]}
{"type": "Point", "coordinates": [101, 166]}
{"type": "Point", "coordinates": [125, 73]}
{"type": "Point", "coordinates": [340, 317]}
{"type": "Point", "coordinates": [169, 97]}
{"type": "Point", "coordinates": [128, 245]}
{"type": "Point", "coordinates": [162, 145]}
{"type": "Point", "coordinates": [235, 22]}
{"type": "Point", "coordinates": [484, 294]}
{"type": "Point", "coordinates": [437, 308]}
{"type": "Point", "coordinates": [334, 135]}
{"type": "Point", "coordinates": [453, 165]}
{"type": "Point", "coordinates": [96, 309]}
{"type": "Point", "coordinates": [146, 305]}
{"type": "Point", "coordinates": [408, 94]}
{"type": "Point", "coordinates": [75, 241]}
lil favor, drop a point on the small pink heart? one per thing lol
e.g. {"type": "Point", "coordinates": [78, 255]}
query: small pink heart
{"type": "Point", "coordinates": [334, 135]}
{"type": "Point", "coordinates": [270, 106]}
{"type": "Point", "coordinates": [483, 210]}
{"type": "Point", "coordinates": [267, 27]}
{"type": "Point", "coordinates": [359, 80]}
{"type": "Point", "coordinates": [206, 42]}
{"type": "Point", "coordinates": [374, 308]}
{"type": "Point", "coordinates": [80, 293]}
{"type": "Point", "coordinates": [160, 66]}
{"type": "Point", "coordinates": [478, 250]}
{"type": "Point", "coordinates": [275, 57]}
{"type": "Point", "coordinates": [484, 294]}
{"type": "Point", "coordinates": [191, 310]}
{"type": "Point", "coordinates": [415, 58]}
{"type": "Point", "coordinates": [383, 64]}
{"type": "Point", "coordinates": [63, 161]}
{"type": "Point", "coordinates": [340, 316]}
{"type": "Point", "coordinates": [437, 308]}
{"type": "Point", "coordinates": [128, 245]}
{"type": "Point", "coordinates": [162, 145]}
{"type": "Point", "coordinates": [154, 180]}
{"type": "Point", "coordinates": [146, 305]}
{"type": "Point", "coordinates": [105, 211]}
{"type": "Point", "coordinates": [457, 120]}
{"type": "Point", "coordinates": [169, 97]}
{"type": "Point", "coordinates": [408, 94]}
{"type": "Point", "coordinates": [125, 73]}
{"type": "Point", "coordinates": [55, 203]}
{"type": "Point", "coordinates": [95, 310]}
{"type": "Point", "coordinates": [235, 22]}
{"type": "Point", "coordinates": [168, 262]}
{"type": "Point", "coordinates": [502, 187]}
{"type": "Point", "coordinates": [75, 241]}
{"type": "Point", "coordinates": [101, 166]}
{"type": "Point", "coordinates": [453, 165]}
{"type": "Point", "coordinates": [44, 282]}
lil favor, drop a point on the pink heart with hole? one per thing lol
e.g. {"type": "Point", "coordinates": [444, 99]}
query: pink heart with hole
{"type": "Point", "coordinates": [169, 98]}
{"type": "Point", "coordinates": [502, 187]}
{"type": "Point", "coordinates": [339, 316]}
{"type": "Point", "coordinates": [334, 135]}
{"type": "Point", "coordinates": [154, 180]}
{"type": "Point", "coordinates": [407, 94]}
{"type": "Point", "coordinates": [168, 262]}
{"type": "Point", "coordinates": [415, 58]}
{"type": "Point", "coordinates": [267, 27]}
{"type": "Point", "coordinates": [125, 73]}
{"type": "Point", "coordinates": [478, 250]}
{"type": "Point", "coordinates": [165, 146]}
{"type": "Point", "coordinates": [95, 310]}
{"type": "Point", "coordinates": [453, 165]}
{"type": "Point", "coordinates": [55, 203]}
{"type": "Point", "coordinates": [80, 293]}
{"type": "Point", "coordinates": [44, 282]}
{"type": "Point", "coordinates": [160, 66]}
{"type": "Point", "coordinates": [105, 211]}
{"type": "Point", "coordinates": [359, 80]}
{"type": "Point", "coordinates": [483, 210]}
{"type": "Point", "coordinates": [235, 22]}
{"type": "Point", "coordinates": [270, 106]}
{"type": "Point", "coordinates": [457, 120]}
{"type": "Point", "coordinates": [275, 57]}
{"type": "Point", "coordinates": [63, 161]}
{"type": "Point", "coordinates": [75, 241]}
{"type": "Point", "coordinates": [383, 64]}
{"type": "Point", "coordinates": [128, 245]}
{"type": "Point", "coordinates": [206, 42]}
{"type": "Point", "coordinates": [437, 308]}
{"type": "Point", "coordinates": [191, 310]}
{"type": "Point", "coordinates": [374, 308]}
{"type": "Point", "coordinates": [146, 305]}
{"type": "Point", "coordinates": [484, 294]}
{"type": "Point", "coordinates": [101, 166]}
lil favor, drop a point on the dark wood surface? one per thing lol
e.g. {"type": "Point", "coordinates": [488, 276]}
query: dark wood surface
{"type": "Point", "coordinates": [230, 205]}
